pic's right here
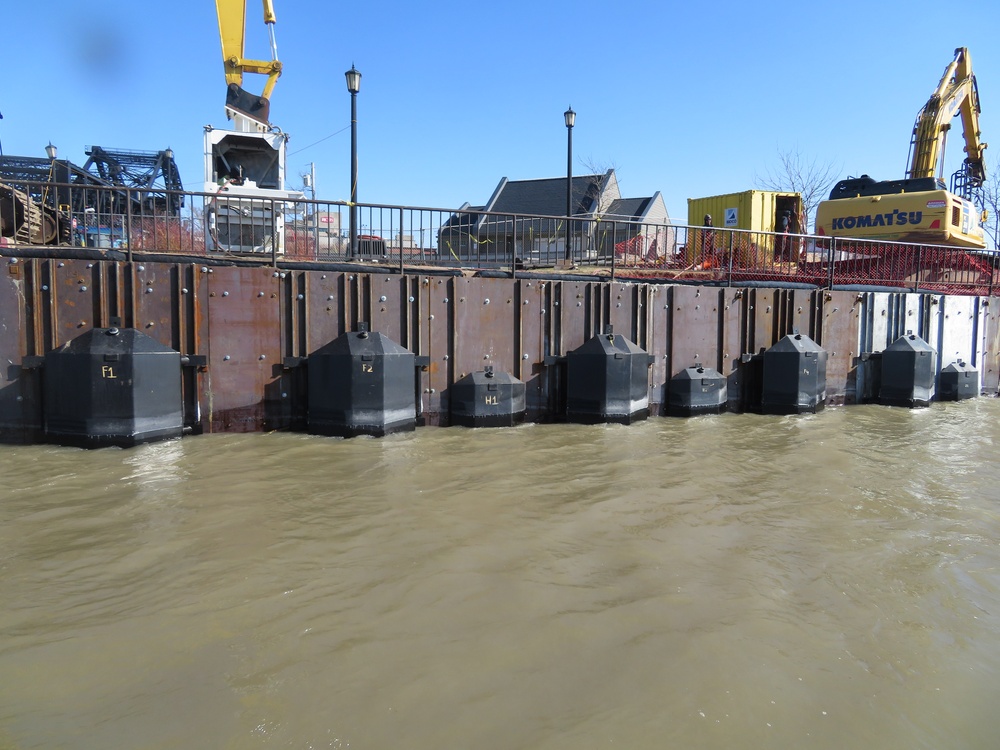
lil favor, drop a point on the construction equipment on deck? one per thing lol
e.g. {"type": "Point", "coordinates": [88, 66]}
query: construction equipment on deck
{"type": "Point", "coordinates": [42, 199]}
{"type": "Point", "coordinates": [245, 166]}
{"type": "Point", "coordinates": [920, 208]}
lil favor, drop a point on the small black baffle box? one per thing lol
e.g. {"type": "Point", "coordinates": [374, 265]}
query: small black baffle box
{"type": "Point", "coordinates": [697, 390]}
{"type": "Point", "coordinates": [487, 399]}
{"type": "Point", "coordinates": [957, 382]}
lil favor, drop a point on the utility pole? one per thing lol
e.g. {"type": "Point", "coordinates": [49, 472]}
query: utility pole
{"type": "Point", "coordinates": [310, 180]}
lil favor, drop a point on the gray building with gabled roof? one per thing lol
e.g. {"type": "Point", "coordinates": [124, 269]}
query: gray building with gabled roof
{"type": "Point", "coordinates": [526, 219]}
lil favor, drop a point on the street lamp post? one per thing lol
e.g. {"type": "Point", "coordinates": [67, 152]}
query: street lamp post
{"type": "Point", "coordinates": [56, 175]}
{"type": "Point", "coordinates": [353, 85]}
{"type": "Point", "coordinates": [53, 153]}
{"type": "Point", "coordinates": [570, 117]}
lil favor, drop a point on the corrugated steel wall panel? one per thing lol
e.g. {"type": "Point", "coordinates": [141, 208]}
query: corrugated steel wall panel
{"type": "Point", "coordinates": [391, 306]}
{"type": "Point", "coordinates": [434, 339]}
{"type": "Point", "coordinates": [18, 390]}
{"type": "Point", "coordinates": [991, 345]}
{"type": "Point", "coordinates": [326, 311]}
{"type": "Point", "coordinates": [74, 300]}
{"type": "Point", "coordinates": [956, 340]}
{"type": "Point", "coordinates": [731, 317]}
{"type": "Point", "coordinates": [695, 327]}
{"type": "Point", "coordinates": [762, 314]}
{"type": "Point", "coordinates": [484, 324]}
{"type": "Point", "coordinates": [656, 313]}
{"type": "Point", "coordinates": [155, 289]}
{"type": "Point", "coordinates": [538, 310]}
{"type": "Point", "coordinates": [839, 316]}
{"type": "Point", "coordinates": [245, 371]}
{"type": "Point", "coordinates": [623, 311]}
{"type": "Point", "coordinates": [581, 308]}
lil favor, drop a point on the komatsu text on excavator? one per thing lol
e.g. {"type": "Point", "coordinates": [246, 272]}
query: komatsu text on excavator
{"type": "Point", "coordinates": [921, 208]}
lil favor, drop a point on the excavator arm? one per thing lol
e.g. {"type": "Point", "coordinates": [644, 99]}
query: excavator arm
{"type": "Point", "coordinates": [232, 29]}
{"type": "Point", "coordinates": [956, 93]}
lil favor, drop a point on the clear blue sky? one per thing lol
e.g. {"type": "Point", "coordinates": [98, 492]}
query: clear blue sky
{"type": "Point", "coordinates": [691, 99]}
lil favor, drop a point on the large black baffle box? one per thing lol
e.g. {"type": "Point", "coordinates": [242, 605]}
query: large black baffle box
{"type": "Point", "coordinates": [361, 383]}
{"type": "Point", "coordinates": [794, 378]}
{"type": "Point", "coordinates": [607, 381]}
{"type": "Point", "coordinates": [697, 390]}
{"type": "Point", "coordinates": [487, 399]}
{"type": "Point", "coordinates": [112, 387]}
{"type": "Point", "coordinates": [958, 381]}
{"type": "Point", "coordinates": [908, 372]}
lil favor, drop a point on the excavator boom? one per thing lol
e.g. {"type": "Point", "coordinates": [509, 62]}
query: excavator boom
{"type": "Point", "coordinates": [232, 30]}
{"type": "Point", "coordinates": [956, 93]}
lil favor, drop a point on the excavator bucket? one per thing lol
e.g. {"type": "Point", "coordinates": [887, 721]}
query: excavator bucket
{"type": "Point", "coordinates": [253, 106]}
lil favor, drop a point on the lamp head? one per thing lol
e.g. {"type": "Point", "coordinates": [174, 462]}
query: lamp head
{"type": "Point", "coordinates": [353, 77]}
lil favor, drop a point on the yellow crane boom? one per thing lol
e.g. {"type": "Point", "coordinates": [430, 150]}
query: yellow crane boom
{"type": "Point", "coordinates": [956, 93]}
{"type": "Point", "coordinates": [232, 30]}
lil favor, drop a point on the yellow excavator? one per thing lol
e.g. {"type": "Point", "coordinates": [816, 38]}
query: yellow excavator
{"type": "Point", "coordinates": [921, 208]}
{"type": "Point", "coordinates": [232, 29]}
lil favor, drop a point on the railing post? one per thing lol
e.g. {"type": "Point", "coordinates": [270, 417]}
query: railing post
{"type": "Point", "coordinates": [513, 250]}
{"type": "Point", "coordinates": [274, 232]}
{"type": "Point", "coordinates": [315, 227]}
{"type": "Point", "coordinates": [916, 279]}
{"type": "Point", "coordinates": [400, 240]}
{"type": "Point", "coordinates": [830, 255]}
{"type": "Point", "coordinates": [729, 281]}
{"type": "Point", "coordinates": [128, 234]}
{"type": "Point", "coordinates": [614, 249]}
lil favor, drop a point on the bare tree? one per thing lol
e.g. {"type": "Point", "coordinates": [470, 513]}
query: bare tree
{"type": "Point", "coordinates": [991, 202]}
{"type": "Point", "coordinates": [593, 166]}
{"type": "Point", "coordinates": [795, 174]}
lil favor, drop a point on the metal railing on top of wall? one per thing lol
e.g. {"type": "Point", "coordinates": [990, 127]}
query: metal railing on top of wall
{"type": "Point", "coordinates": [226, 224]}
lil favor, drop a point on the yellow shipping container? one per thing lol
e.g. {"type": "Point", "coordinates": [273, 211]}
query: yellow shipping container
{"type": "Point", "coordinates": [752, 211]}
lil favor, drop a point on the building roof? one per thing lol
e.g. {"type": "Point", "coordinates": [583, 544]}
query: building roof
{"type": "Point", "coordinates": [546, 197]}
{"type": "Point", "coordinates": [627, 208]}
{"type": "Point", "coordinates": [465, 216]}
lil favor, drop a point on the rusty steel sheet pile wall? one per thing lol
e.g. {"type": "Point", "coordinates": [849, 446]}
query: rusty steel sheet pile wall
{"type": "Point", "coordinates": [248, 331]}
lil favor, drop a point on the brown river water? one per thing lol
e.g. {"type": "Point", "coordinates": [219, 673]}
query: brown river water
{"type": "Point", "coordinates": [740, 581]}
